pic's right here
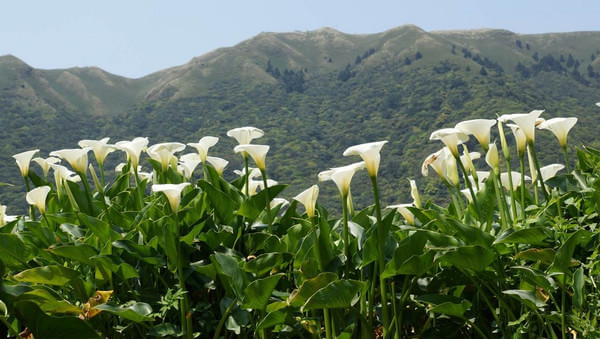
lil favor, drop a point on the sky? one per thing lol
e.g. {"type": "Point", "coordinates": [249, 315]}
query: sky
{"type": "Point", "coordinates": [134, 38]}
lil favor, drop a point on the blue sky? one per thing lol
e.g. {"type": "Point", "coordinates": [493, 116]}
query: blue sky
{"type": "Point", "coordinates": [137, 37]}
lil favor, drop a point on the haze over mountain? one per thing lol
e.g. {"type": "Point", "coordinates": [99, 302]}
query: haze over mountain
{"type": "Point", "coordinates": [314, 93]}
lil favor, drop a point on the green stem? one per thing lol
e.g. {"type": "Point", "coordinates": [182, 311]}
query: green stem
{"type": "Point", "coordinates": [380, 253]}
{"type": "Point", "coordinates": [345, 235]}
{"type": "Point", "coordinates": [10, 329]}
{"type": "Point", "coordinates": [566, 155]}
{"type": "Point", "coordinates": [222, 320]}
{"type": "Point", "coordinates": [31, 207]}
{"type": "Point", "coordinates": [497, 188]}
{"type": "Point", "coordinates": [186, 322]}
{"type": "Point", "coordinates": [326, 320]}
{"type": "Point", "coordinates": [468, 184]}
{"type": "Point", "coordinates": [539, 177]}
{"type": "Point", "coordinates": [396, 316]}
{"type": "Point", "coordinates": [267, 201]}
{"type": "Point", "coordinates": [522, 164]}
{"type": "Point", "coordinates": [513, 206]}
{"type": "Point", "coordinates": [563, 301]}
{"type": "Point", "coordinates": [246, 175]}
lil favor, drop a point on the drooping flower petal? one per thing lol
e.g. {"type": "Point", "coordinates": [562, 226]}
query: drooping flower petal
{"type": "Point", "coordinates": [245, 135]}
{"type": "Point", "coordinates": [369, 152]}
{"type": "Point", "coordinates": [173, 193]}
{"type": "Point", "coordinates": [479, 128]}
{"type": "Point", "coordinates": [101, 148]}
{"type": "Point", "coordinates": [308, 198]}
{"type": "Point", "coordinates": [435, 160]}
{"type": "Point", "coordinates": [23, 160]}
{"type": "Point", "coordinates": [76, 157]}
{"type": "Point", "coordinates": [560, 127]}
{"type": "Point", "coordinates": [257, 152]}
{"type": "Point", "coordinates": [451, 137]}
{"type": "Point", "coordinates": [37, 197]}
{"type": "Point", "coordinates": [203, 145]}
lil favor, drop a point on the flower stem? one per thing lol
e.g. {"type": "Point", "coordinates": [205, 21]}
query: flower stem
{"type": "Point", "coordinates": [522, 164]}
{"type": "Point", "coordinates": [267, 201]}
{"type": "Point", "coordinates": [380, 253]}
{"type": "Point", "coordinates": [317, 250]}
{"type": "Point", "coordinates": [539, 177]}
{"type": "Point", "coordinates": [345, 234]}
{"type": "Point", "coordinates": [566, 154]}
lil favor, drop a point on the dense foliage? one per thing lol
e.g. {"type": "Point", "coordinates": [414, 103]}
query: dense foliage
{"type": "Point", "coordinates": [184, 252]}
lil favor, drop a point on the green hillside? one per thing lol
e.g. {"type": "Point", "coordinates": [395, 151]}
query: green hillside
{"type": "Point", "coordinates": [314, 94]}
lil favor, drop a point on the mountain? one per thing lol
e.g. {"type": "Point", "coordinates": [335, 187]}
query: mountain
{"type": "Point", "coordinates": [314, 93]}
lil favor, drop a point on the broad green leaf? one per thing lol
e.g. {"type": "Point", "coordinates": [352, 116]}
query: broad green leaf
{"type": "Point", "coordinates": [207, 270]}
{"type": "Point", "coordinates": [13, 251]}
{"type": "Point", "coordinates": [49, 275]}
{"type": "Point", "coordinates": [134, 311]}
{"type": "Point", "coordinates": [532, 236]}
{"type": "Point", "coordinates": [216, 238]}
{"type": "Point", "coordinates": [545, 255]}
{"type": "Point", "coordinates": [116, 265]}
{"type": "Point", "coordinates": [166, 330]}
{"type": "Point", "coordinates": [563, 259]}
{"type": "Point", "coordinates": [446, 304]}
{"type": "Point", "coordinates": [272, 319]}
{"type": "Point", "coordinates": [142, 252]}
{"type": "Point", "coordinates": [258, 292]}
{"type": "Point", "coordinates": [476, 258]}
{"type": "Point", "coordinates": [253, 206]}
{"type": "Point", "coordinates": [410, 246]}
{"type": "Point", "coordinates": [266, 262]}
{"type": "Point", "coordinates": [417, 265]}
{"type": "Point", "coordinates": [536, 277]}
{"type": "Point", "coordinates": [337, 294]}
{"type": "Point", "coordinates": [98, 227]}
{"type": "Point", "coordinates": [61, 306]}
{"type": "Point", "coordinates": [3, 310]}
{"type": "Point", "coordinates": [44, 326]}
{"type": "Point", "coordinates": [80, 253]}
{"type": "Point", "coordinates": [526, 297]}
{"type": "Point", "coordinates": [223, 205]}
{"type": "Point", "coordinates": [578, 288]}
{"type": "Point", "coordinates": [309, 287]}
{"type": "Point", "coordinates": [232, 277]}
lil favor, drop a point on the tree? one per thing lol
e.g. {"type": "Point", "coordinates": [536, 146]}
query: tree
{"type": "Point", "coordinates": [482, 71]}
{"type": "Point", "coordinates": [570, 61]}
{"type": "Point", "coordinates": [518, 42]}
{"type": "Point", "coordinates": [418, 55]}
{"type": "Point", "coordinates": [407, 61]}
{"type": "Point", "coordinates": [536, 56]}
{"type": "Point", "coordinates": [590, 71]}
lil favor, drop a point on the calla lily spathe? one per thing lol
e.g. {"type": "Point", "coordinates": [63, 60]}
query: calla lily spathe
{"type": "Point", "coordinates": [188, 163]}
{"type": "Point", "coordinates": [527, 122]}
{"type": "Point", "coordinates": [405, 212]}
{"type": "Point", "coordinates": [257, 152]}
{"type": "Point", "coordinates": [133, 149]}
{"type": "Point", "coordinates": [76, 157]}
{"type": "Point", "coordinates": [253, 172]}
{"type": "Point", "coordinates": [173, 193]}
{"type": "Point", "coordinates": [203, 145]}
{"type": "Point", "coordinates": [37, 197]}
{"type": "Point", "coordinates": [520, 138]}
{"type": "Point", "coordinates": [62, 174]}
{"type": "Point", "coordinates": [164, 153]}
{"type": "Point", "coordinates": [369, 152]}
{"type": "Point", "coordinates": [479, 128]}
{"type": "Point", "coordinates": [560, 127]}
{"type": "Point", "coordinates": [46, 164]}
{"type": "Point", "coordinates": [551, 170]}
{"type": "Point", "coordinates": [23, 160]}
{"type": "Point", "coordinates": [414, 192]}
{"type": "Point", "coordinates": [451, 137]}
{"type": "Point", "coordinates": [218, 163]}
{"type": "Point", "coordinates": [492, 158]}
{"type": "Point", "coordinates": [101, 148]}
{"type": "Point", "coordinates": [245, 135]}
{"type": "Point", "coordinates": [516, 180]}
{"type": "Point", "coordinates": [342, 176]}
{"type": "Point", "coordinates": [308, 198]}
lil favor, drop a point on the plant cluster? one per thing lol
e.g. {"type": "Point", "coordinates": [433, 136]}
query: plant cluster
{"type": "Point", "coordinates": [182, 252]}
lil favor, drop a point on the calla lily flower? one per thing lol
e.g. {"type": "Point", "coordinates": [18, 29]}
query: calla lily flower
{"type": "Point", "coordinates": [173, 193]}
{"type": "Point", "coordinates": [37, 197]}
{"type": "Point", "coordinates": [76, 157]}
{"type": "Point", "coordinates": [414, 192]}
{"type": "Point", "coordinates": [342, 176]}
{"type": "Point", "coordinates": [527, 123]}
{"type": "Point", "coordinates": [369, 152]}
{"type": "Point", "coordinates": [188, 163]}
{"type": "Point", "coordinates": [278, 201]}
{"type": "Point", "coordinates": [479, 128]}
{"type": "Point", "coordinates": [253, 185]}
{"type": "Point", "coordinates": [435, 160]}
{"type": "Point", "coordinates": [451, 137]}
{"type": "Point", "coordinates": [45, 164]}
{"type": "Point", "coordinates": [163, 152]}
{"type": "Point", "coordinates": [492, 158]}
{"type": "Point", "coordinates": [100, 148]}
{"type": "Point", "coordinates": [62, 174]}
{"type": "Point", "coordinates": [23, 160]}
{"type": "Point", "coordinates": [598, 104]}
{"type": "Point", "coordinates": [257, 152]}
{"type": "Point", "coordinates": [133, 149]}
{"type": "Point", "coordinates": [560, 127]}
{"type": "Point", "coordinates": [308, 198]}
{"type": "Point", "coordinates": [203, 145]}
{"type": "Point", "coordinates": [550, 171]}
{"type": "Point", "coordinates": [516, 180]}
{"type": "Point", "coordinates": [245, 135]}
{"type": "Point", "coordinates": [218, 163]}
{"type": "Point", "coordinates": [450, 170]}
{"type": "Point", "coordinates": [405, 212]}
{"type": "Point", "coordinates": [270, 183]}
{"type": "Point", "coordinates": [520, 138]}
{"type": "Point", "coordinates": [467, 160]}
{"type": "Point", "coordinates": [254, 172]}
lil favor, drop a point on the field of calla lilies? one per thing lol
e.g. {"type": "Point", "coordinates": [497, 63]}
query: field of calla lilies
{"type": "Point", "coordinates": [179, 251]}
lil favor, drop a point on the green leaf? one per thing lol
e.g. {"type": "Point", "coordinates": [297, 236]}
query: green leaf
{"type": "Point", "coordinates": [134, 311]}
{"type": "Point", "coordinates": [446, 304]}
{"type": "Point", "coordinates": [98, 227]}
{"type": "Point", "coordinates": [258, 292]}
{"type": "Point", "coordinates": [273, 318]}
{"type": "Point", "coordinates": [476, 258]}
{"type": "Point", "coordinates": [3, 310]}
{"type": "Point", "coordinates": [532, 236]}
{"type": "Point", "coordinates": [115, 264]}
{"type": "Point", "coordinates": [80, 253]}
{"type": "Point", "coordinates": [253, 206]}
{"type": "Point", "coordinates": [337, 294]}
{"type": "Point", "coordinates": [309, 287]}
{"type": "Point", "coordinates": [232, 277]}
{"type": "Point", "coordinates": [223, 205]}
{"type": "Point", "coordinates": [578, 288]}
{"type": "Point", "coordinates": [61, 306]}
{"type": "Point", "coordinates": [49, 275]}
{"type": "Point", "coordinates": [13, 250]}
{"type": "Point", "coordinates": [536, 277]}
{"type": "Point", "coordinates": [142, 252]}
{"type": "Point", "coordinates": [526, 297]}
{"type": "Point", "coordinates": [563, 259]}
{"type": "Point", "coordinates": [266, 262]}
{"type": "Point", "coordinates": [545, 255]}
{"type": "Point", "coordinates": [44, 326]}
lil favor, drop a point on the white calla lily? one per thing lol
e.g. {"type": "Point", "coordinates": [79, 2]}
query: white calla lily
{"type": "Point", "coordinates": [492, 158]}
{"type": "Point", "coordinates": [516, 180]}
{"type": "Point", "coordinates": [308, 198]}
{"type": "Point", "coordinates": [342, 176]}
{"type": "Point", "coordinates": [257, 152]}
{"type": "Point", "coordinates": [76, 157]}
{"type": "Point", "coordinates": [405, 212]}
{"type": "Point", "coordinates": [23, 160]}
{"type": "Point", "coordinates": [46, 164]}
{"type": "Point", "coordinates": [172, 192]}
{"type": "Point", "coordinates": [188, 163]}
{"type": "Point", "coordinates": [101, 148]}
{"type": "Point", "coordinates": [203, 145]}
{"type": "Point", "coordinates": [435, 161]}
{"type": "Point", "coordinates": [133, 149]}
{"type": "Point", "coordinates": [527, 122]}
{"type": "Point", "coordinates": [451, 137]}
{"type": "Point", "coordinates": [245, 135]}
{"type": "Point", "coordinates": [560, 127]}
{"type": "Point", "coordinates": [164, 152]}
{"type": "Point", "coordinates": [520, 138]}
{"type": "Point", "coordinates": [370, 153]}
{"type": "Point", "coordinates": [37, 197]}
{"type": "Point", "coordinates": [414, 192]}
{"type": "Point", "coordinates": [551, 170]}
{"type": "Point", "coordinates": [218, 163]}
{"type": "Point", "coordinates": [479, 128]}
